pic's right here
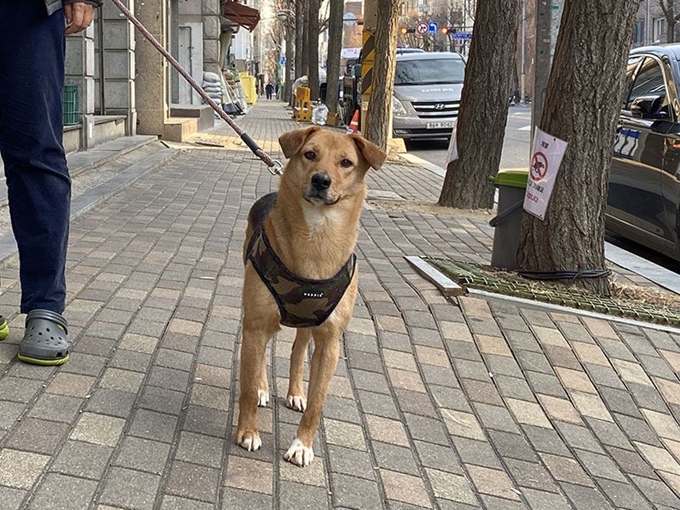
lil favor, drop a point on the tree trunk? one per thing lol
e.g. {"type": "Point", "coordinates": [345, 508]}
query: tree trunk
{"type": "Point", "coordinates": [313, 45]}
{"type": "Point", "coordinates": [304, 62]}
{"type": "Point", "coordinates": [484, 106]}
{"type": "Point", "coordinates": [290, 60]}
{"type": "Point", "coordinates": [335, 25]}
{"type": "Point", "coordinates": [668, 8]}
{"type": "Point", "coordinates": [670, 30]}
{"type": "Point", "coordinates": [299, 45]}
{"type": "Point", "coordinates": [581, 107]}
{"type": "Point", "coordinates": [380, 101]}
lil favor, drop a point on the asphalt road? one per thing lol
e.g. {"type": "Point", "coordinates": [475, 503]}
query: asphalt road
{"type": "Point", "coordinates": [516, 146]}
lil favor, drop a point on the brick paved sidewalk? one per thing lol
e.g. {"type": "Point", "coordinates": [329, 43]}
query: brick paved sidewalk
{"type": "Point", "coordinates": [436, 403]}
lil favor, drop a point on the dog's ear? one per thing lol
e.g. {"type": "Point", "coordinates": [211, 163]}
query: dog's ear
{"type": "Point", "coordinates": [373, 154]}
{"type": "Point", "coordinates": [292, 141]}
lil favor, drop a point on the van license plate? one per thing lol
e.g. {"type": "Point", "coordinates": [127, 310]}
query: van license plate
{"type": "Point", "coordinates": [440, 125]}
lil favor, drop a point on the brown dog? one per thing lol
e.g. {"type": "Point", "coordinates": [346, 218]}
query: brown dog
{"type": "Point", "coordinates": [300, 272]}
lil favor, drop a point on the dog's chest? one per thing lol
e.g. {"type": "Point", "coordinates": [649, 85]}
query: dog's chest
{"type": "Point", "coordinates": [318, 220]}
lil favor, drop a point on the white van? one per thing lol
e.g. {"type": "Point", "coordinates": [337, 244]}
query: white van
{"type": "Point", "coordinates": [427, 91]}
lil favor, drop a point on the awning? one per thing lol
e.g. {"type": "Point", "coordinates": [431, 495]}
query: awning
{"type": "Point", "coordinates": [241, 14]}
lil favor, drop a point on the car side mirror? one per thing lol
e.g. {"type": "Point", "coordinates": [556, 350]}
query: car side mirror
{"type": "Point", "coordinates": [649, 107]}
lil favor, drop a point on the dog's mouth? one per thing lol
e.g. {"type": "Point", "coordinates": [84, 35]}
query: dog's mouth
{"type": "Point", "coordinates": [316, 197]}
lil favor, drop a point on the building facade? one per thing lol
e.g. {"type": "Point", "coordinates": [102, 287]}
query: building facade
{"type": "Point", "coordinates": [122, 85]}
{"type": "Point", "coordinates": [652, 26]}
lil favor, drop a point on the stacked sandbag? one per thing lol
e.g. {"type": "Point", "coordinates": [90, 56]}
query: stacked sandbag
{"type": "Point", "coordinates": [212, 84]}
{"type": "Point", "coordinates": [237, 98]}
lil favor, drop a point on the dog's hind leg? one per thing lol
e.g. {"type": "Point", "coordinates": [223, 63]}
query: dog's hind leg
{"type": "Point", "coordinates": [324, 362]}
{"type": "Point", "coordinates": [296, 392]}
{"type": "Point", "coordinates": [253, 350]}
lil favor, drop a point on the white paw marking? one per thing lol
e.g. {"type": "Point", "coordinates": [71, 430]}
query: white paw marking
{"type": "Point", "coordinates": [299, 454]}
{"type": "Point", "coordinates": [251, 443]}
{"type": "Point", "coordinates": [262, 398]}
{"type": "Point", "coordinates": [297, 403]}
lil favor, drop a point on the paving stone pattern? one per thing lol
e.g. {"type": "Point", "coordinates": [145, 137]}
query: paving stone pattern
{"type": "Point", "coordinates": [436, 403]}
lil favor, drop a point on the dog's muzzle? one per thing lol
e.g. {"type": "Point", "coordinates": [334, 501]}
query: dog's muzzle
{"type": "Point", "coordinates": [319, 188]}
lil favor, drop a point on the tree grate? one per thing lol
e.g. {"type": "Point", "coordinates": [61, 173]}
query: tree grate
{"type": "Point", "coordinates": [476, 276]}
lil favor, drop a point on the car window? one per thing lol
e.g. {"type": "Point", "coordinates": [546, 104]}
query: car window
{"type": "Point", "coordinates": [649, 83]}
{"type": "Point", "coordinates": [633, 63]}
{"type": "Point", "coordinates": [429, 71]}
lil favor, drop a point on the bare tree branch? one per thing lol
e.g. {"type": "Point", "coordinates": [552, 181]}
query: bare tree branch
{"type": "Point", "coordinates": [667, 6]}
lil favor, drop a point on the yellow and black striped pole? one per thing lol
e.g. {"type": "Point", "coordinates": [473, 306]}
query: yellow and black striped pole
{"type": "Point", "coordinates": [368, 55]}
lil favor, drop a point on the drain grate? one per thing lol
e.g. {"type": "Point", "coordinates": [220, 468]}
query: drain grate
{"type": "Point", "coordinates": [475, 276]}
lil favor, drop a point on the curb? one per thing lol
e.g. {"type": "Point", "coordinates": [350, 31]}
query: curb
{"type": "Point", "coordinates": [441, 281]}
{"type": "Point", "coordinates": [649, 270]}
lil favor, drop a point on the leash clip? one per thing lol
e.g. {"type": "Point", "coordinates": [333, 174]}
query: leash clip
{"type": "Point", "coordinates": [276, 169]}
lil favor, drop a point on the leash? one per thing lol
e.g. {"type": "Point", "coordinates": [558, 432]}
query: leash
{"type": "Point", "coordinates": [273, 166]}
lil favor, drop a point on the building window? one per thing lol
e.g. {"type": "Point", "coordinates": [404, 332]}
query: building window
{"type": "Point", "coordinates": [640, 32]}
{"type": "Point", "coordinates": [659, 31]}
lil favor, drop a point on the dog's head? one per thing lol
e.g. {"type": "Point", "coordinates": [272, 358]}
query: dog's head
{"type": "Point", "coordinates": [327, 167]}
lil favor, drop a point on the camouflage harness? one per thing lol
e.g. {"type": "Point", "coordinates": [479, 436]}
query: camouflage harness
{"type": "Point", "coordinates": [302, 303]}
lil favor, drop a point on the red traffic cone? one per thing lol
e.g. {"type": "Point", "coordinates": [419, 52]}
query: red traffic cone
{"type": "Point", "coordinates": [354, 125]}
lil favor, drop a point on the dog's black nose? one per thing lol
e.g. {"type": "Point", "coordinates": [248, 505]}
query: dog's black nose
{"type": "Point", "coordinates": [321, 181]}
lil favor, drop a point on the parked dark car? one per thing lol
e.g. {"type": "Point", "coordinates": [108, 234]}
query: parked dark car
{"type": "Point", "coordinates": [644, 186]}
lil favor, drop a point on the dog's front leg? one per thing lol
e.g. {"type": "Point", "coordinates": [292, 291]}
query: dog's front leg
{"type": "Point", "coordinates": [263, 387]}
{"type": "Point", "coordinates": [324, 362]}
{"type": "Point", "coordinates": [253, 350]}
{"type": "Point", "coordinates": [296, 392]}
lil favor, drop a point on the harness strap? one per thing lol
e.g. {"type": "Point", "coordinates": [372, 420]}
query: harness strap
{"type": "Point", "coordinates": [302, 302]}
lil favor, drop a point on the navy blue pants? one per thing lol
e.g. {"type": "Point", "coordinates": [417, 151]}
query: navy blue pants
{"type": "Point", "coordinates": [32, 49]}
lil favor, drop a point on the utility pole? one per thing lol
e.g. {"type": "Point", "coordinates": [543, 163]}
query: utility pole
{"type": "Point", "coordinates": [523, 66]}
{"type": "Point", "coordinates": [648, 25]}
{"type": "Point", "coordinates": [368, 54]}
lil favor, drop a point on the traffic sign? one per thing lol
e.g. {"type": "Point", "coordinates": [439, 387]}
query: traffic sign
{"type": "Point", "coordinates": [421, 28]}
{"type": "Point", "coordinates": [433, 27]}
{"type": "Point", "coordinates": [282, 60]}
{"type": "Point", "coordinates": [462, 35]}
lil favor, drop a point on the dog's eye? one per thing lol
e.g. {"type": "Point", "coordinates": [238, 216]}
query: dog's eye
{"type": "Point", "coordinates": [346, 163]}
{"type": "Point", "coordinates": [310, 155]}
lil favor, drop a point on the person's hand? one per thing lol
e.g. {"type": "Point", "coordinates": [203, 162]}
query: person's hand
{"type": "Point", "coordinates": [79, 15]}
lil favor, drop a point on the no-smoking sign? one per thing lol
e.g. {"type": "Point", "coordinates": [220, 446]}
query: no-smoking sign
{"type": "Point", "coordinates": [539, 166]}
{"type": "Point", "coordinates": [545, 163]}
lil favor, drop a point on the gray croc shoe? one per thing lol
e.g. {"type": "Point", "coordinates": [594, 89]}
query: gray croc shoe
{"type": "Point", "coordinates": [44, 341]}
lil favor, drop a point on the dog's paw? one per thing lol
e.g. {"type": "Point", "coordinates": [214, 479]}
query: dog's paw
{"type": "Point", "coordinates": [262, 398]}
{"type": "Point", "coordinates": [248, 439]}
{"type": "Point", "coordinates": [297, 403]}
{"type": "Point", "coordinates": [299, 454]}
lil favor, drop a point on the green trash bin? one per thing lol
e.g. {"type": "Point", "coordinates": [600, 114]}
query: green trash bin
{"type": "Point", "coordinates": [507, 223]}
